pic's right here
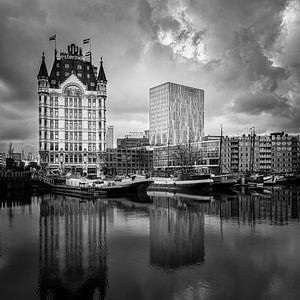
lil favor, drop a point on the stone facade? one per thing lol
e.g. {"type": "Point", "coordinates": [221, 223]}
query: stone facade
{"type": "Point", "coordinates": [72, 114]}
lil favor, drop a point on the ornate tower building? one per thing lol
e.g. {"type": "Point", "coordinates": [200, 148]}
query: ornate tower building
{"type": "Point", "coordinates": [72, 113]}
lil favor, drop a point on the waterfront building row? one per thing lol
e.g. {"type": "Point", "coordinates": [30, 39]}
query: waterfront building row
{"type": "Point", "coordinates": [273, 153]}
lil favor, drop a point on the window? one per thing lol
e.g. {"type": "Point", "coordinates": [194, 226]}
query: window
{"type": "Point", "coordinates": [66, 135]}
{"type": "Point", "coordinates": [66, 101]}
{"type": "Point", "coordinates": [66, 124]}
{"type": "Point", "coordinates": [71, 102]}
{"type": "Point", "coordinates": [51, 146]}
{"type": "Point", "coordinates": [56, 112]}
{"type": "Point", "coordinates": [89, 114]}
{"type": "Point", "coordinates": [71, 148]}
{"type": "Point", "coordinates": [79, 75]}
{"type": "Point", "coordinates": [88, 76]}
{"type": "Point", "coordinates": [51, 101]}
{"type": "Point", "coordinates": [94, 102]}
{"type": "Point", "coordinates": [57, 73]}
{"type": "Point", "coordinates": [79, 67]}
{"type": "Point", "coordinates": [71, 135]}
{"type": "Point", "coordinates": [87, 67]}
{"type": "Point", "coordinates": [56, 146]}
{"type": "Point", "coordinates": [89, 124]}
{"type": "Point", "coordinates": [51, 135]}
{"type": "Point", "coordinates": [75, 102]}
{"type": "Point", "coordinates": [56, 123]}
{"type": "Point", "coordinates": [66, 146]}
{"type": "Point", "coordinates": [71, 125]}
{"type": "Point", "coordinates": [89, 102]}
{"type": "Point", "coordinates": [56, 135]}
{"type": "Point", "coordinates": [67, 66]}
{"type": "Point", "coordinates": [66, 73]}
{"type": "Point", "coordinates": [66, 113]}
{"type": "Point", "coordinates": [80, 102]}
{"type": "Point", "coordinates": [56, 101]}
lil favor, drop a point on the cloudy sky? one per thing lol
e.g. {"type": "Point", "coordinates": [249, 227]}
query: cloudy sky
{"type": "Point", "coordinates": [244, 54]}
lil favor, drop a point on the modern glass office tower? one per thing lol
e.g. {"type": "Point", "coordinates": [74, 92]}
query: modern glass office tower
{"type": "Point", "coordinates": [176, 114]}
{"type": "Point", "coordinates": [72, 113]}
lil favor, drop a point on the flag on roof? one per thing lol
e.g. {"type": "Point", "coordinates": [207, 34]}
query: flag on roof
{"type": "Point", "coordinates": [52, 38]}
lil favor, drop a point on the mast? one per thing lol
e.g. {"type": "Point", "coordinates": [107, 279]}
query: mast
{"type": "Point", "coordinates": [220, 151]}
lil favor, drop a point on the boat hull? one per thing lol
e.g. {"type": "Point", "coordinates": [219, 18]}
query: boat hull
{"type": "Point", "coordinates": [175, 185]}
{"type": "Point", "coordinates": [129, 188]}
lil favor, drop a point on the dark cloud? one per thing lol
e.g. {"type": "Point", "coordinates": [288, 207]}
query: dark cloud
{"type": "Point", "coordinates": [228, 48]}
{"type": "Point", "coordinates": [256, 104]}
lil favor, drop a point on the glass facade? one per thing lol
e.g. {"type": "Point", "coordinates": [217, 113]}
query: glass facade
{"type": "Point", "coordinates": [176, 114]}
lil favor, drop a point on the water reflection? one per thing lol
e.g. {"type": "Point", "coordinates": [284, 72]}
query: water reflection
{"type": "Point", "coordinates": [276, 206]}
{"type": "Point", "coordinates": [176, 233]}
{"type": "Point", "coordinates": [72, 249]}
{"type": "Point", "coordinates": [233, 246]}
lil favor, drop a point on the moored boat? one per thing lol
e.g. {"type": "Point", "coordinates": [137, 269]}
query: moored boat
{"type": "Point", "coordinates": [201, 183]}
{"type": "Point", "coordinates": [127, 186]}
{"type": "Point", "coordinates": [223, 181]}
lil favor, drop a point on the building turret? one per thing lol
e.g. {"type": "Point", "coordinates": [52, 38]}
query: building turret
{"type": "Point", "coordinates": [101, 75]}
{"type": "Point", "coordinates": [101, 96]}
{"type": "Point", "coordinates": [43, 92]}
{"type": "Point", "coordinates": [43, 78]}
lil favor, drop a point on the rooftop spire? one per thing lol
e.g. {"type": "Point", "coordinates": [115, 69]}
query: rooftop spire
{"type": "Point", "coordinates": [43, 73]}
{"type": "Point", "coordinates": [101, 75]}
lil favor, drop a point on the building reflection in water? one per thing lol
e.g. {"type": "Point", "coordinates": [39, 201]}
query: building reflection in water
{"type": "Point", "coordinates": [72, 248]}
{"type": "Point", "coordinates": [13, 200]}
{"type": "Point", "coordinates": [176, 233]}
{"type": "Point", "coordinates": [277, 207]}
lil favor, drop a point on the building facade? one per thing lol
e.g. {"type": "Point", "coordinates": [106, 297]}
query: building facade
{"type": "Point", "coordinates": [110, 137]}
{"type": "Point", "coordinates": [274, 153]}
{"type": "Point", "coordinates": [122, 161]}
{"type": "Point", "coordinates": [2, 161]}
{"type": "Point", "coordinates": [176, 114]}
{"type": "Point", "coordinates": [203, 156]}
{"type": "Point", "coordinates": [133, 140]}
{"type": "Point", "coordinates": [72, 113]}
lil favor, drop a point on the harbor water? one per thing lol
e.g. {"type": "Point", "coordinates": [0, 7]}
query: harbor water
{"type": "Point", "coordinates": [238, 245]}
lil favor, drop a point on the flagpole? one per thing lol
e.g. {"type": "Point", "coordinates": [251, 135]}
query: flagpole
{"type": "Point", "coordinates": [91, 50]}
{"type": "Point", "coordinates": [55, 51]}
